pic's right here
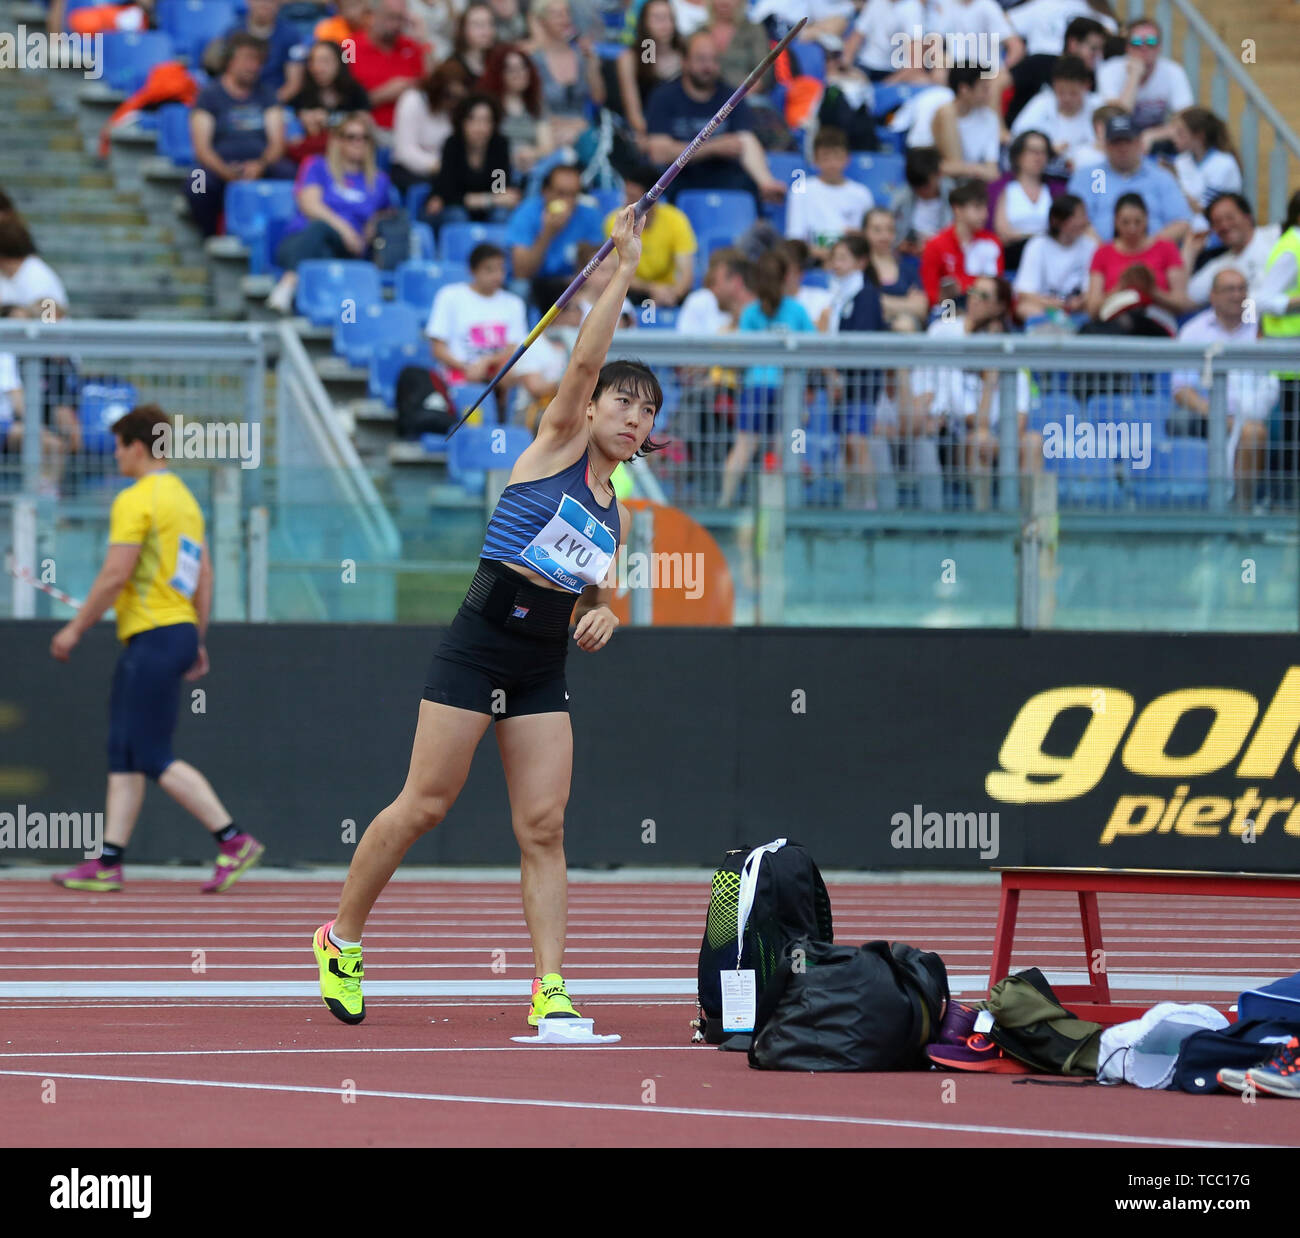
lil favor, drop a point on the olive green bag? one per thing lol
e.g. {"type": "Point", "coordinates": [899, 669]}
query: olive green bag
{"type": "Point", "coordinates": [1032, 1026]}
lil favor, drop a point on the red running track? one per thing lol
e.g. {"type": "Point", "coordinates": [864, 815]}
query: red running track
{"type": "Point", "coordinates": [440, 1069]}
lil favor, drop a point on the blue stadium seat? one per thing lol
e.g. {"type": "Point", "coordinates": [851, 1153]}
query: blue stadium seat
{"type": "Point", "coordinates": [473, 450]}
{"type": "Point", "coordinates": [707, 208]}
{"type": "Point", "coordinates": [816, 279]}
{"type": "Point", "coordinates": [881, 172]}
{"type": "Point", "coordinates": [416, 197]}
{"type": "Point", "coordinates": [388, 361]}
{"type": "Point", "coordinates": [889, 98]}
{"type": "Point", "coordinates": [1143, 409]}
{"type": "Point", "coordinates": [785, 163]}
{"type": "Point", "coordinates": [325, 284]}
{"type": "Point", "coordinates": [464, 394]}
{"type": "Point", "coordinates": [456, 241]}
{"type": "Point", "coordinates": [665, 319]}
{"type": "Point", "coordinates": [606, 50]}
{"type": "Point", "coordinates": [892, 142]}
{"type": "Point", "coordinates": [293, 127]}
{"type": "Point", "coordinates": [423, 246]}
{"type": "Point", "coordinates": [174, 134]}
{"type": "Point", "coordinates": [1054, 407]}
{"type": "Point", "coordinates": [103, 401]}
{"type": "Point", "coordinates": [606, 200]}
{"type": "Point", "coordinates": [1085, 482]}
{"type": "Point", "coordinates": [418, 282]}
{"type": "Point", "coordinates": [376, 324]}
{"type": "Point", "coordinates": [128, 57]}
{"type": "Point", "coordinates": [251, 204]}
{"type": "Point", "coordinates": [811, 56]}
{"type": "Point", "coordinates": [1179, 475]}
{"type": "Point", "coordinates": [261, 250]}
{"type": "Point", "coordinates": [192, 24]}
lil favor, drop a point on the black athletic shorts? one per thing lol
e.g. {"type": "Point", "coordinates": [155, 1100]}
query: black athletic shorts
{"type": "Point", "coordinates": [505, 651]}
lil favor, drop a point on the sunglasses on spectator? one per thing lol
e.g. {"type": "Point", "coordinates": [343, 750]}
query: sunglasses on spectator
{"type": "Point", "coordinates": [1145, 40]}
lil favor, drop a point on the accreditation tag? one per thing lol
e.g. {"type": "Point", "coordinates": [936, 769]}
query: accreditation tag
{"type": "Point", "coordinates": [738, 1000]}
{"type": "Point", "coordinates": [984, 1021]}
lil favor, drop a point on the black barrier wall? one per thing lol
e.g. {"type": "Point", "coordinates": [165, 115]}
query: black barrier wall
{"type": "Point", "coordinates": [956, 750]}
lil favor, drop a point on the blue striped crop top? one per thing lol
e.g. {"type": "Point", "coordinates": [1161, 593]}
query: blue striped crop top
{"type": "Point", "coordinates": [555, 527]}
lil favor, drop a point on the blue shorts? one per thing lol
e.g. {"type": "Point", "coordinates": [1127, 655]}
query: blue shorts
{"type": "Point", "coordinates": [852, 418]}
{"type": "Point", "coordinates": [145, 699]}
{"type": "Point", "coordinates": [758, 410]}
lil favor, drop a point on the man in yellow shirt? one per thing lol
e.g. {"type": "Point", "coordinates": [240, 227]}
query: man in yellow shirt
{"type": "Point", "coordinates": [666, 272]}
{"type": "Point", "coordinates": [158, 577]}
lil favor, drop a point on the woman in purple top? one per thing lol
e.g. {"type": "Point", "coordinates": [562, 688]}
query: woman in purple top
{"type": "Point", "coordinates": [339, 197]}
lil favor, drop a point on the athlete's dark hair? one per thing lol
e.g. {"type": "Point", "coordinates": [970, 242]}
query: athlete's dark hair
{"type": "Point", "coordinates": [633, 378]}
{"type": "Point", "coordinates": [138, 426]}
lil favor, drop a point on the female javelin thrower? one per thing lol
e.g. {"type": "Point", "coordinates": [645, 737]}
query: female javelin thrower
{"type": "Point", "coordinates": [554, 533]}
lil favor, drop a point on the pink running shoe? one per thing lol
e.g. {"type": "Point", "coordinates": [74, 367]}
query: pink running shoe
{"type": "Point", "coordinates": [92, 875]}
{"type": "Point", "coordinates": [234, 859]}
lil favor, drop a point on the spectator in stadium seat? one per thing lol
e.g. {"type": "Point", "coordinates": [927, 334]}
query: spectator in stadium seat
{"type": "Point", "coordinates": [572, 82]}
{"type": "Point", "coordinates": [1135, 246]}
{"type": "Point", "coordinates": [1251, 395]}
{"type": "Point", "coordinates": [1054, 267]}
{"type": "Point", "coordinates": [1246, 248]}
{"type": "Point", "coordinates": [1125, 171]}
{"type": "Point", "coordinates": [422, 123]}
{"type": "Point", "coordinates": [1206, 166]}
{"type": "Point", "coordinates": [1280, 301]}
{"type": "Point", "coordinates": [966, 403]}
{"type": "Point", "coordinates": [544, 232]}
{"type": "Point", "coordinates": [339, 195]}
{"type": "Point", "coordinates": [758, 415]}
{"type": "Point", "coordinates": [237, 130]}
{"type": "Point", "coordinates": [896, 276]}
{"type": "Point", "coordinates": [1151, 87]}
{"type": "Point", "coordinates": [347, 23]}
{"type": "Point", "coordinates": [329, 92]}
{"type": "Point", "coordinates": [1084, 38]}
{"type": "Point", "coordinates": [921, 208]}
{"type": "Point", "coordinates": [740, 44]}
{"type": "Point", "coordinates": [700, 313]}
{"type": "Point", "coordinates": [666, 271]}
{"type": "Point", "coordinates": [512, 77]}
{"type": "Point", "coordinates": [474, 327]}
{"type": "Point", "coordinates": [798, 260]}
{"type": "Point", "coordinates": [961, 253]}
{"type": "Point", "coordinates": [472, 182]}
{"type": "Point", "coordinates": [11, 429]}
{"type": "Point", "coordinates": [511, 24]}
{"type": "Point", "coordinates": [654, 57]}
{"type": "Point", "coordinates": [1092, 154]}
{"type": "Point", "coordinates": [282, 70]}
{"type": "Point", "coordinates": [826, 206]}
{"type": "Point", "coordinates": [476, 35]}
{"type": "Point", "coordinates": [1024, 199]}
{"type": "Point", "coordinates": [1063, 113]}
{"type": "Point", "coordinates": [387, 61]}
{"type": "Point", "coordinates": [967, 129]}
{"type": "Point", "coordinates": [732, 158]}
{"type": "Point", "coordinates": [855, 393]}
{"type": "Point", "coordinates": [872, 46]}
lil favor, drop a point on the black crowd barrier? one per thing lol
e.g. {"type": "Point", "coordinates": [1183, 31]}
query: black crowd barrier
{"type": "Point", "coordinates": [876, 749]}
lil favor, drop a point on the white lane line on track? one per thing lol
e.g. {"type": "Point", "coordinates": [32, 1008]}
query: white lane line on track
{"type": "Point", "coordinates": [959, 1128]}
{"type": "Point", "coordinates": [621, 1048]}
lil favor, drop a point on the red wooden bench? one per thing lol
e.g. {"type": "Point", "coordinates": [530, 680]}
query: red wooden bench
{"type": "Point", "coordinates": [1092, 1000]}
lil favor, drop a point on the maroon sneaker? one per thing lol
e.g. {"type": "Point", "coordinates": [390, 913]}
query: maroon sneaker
{"type": "Point", "coordinates": [234, 859]}
{"type": "Point", "coordinates": [92, 875]}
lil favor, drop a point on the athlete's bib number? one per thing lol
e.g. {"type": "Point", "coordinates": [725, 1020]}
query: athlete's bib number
{"type": "Point", "coordinates": [574, 549]}
{"type": "Point", "coordinates": [189, 555]}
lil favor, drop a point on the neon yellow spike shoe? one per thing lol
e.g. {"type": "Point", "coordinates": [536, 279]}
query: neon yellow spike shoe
{"type": "Point", "coordinates": [550, 1000]}
{"type": "Point", "coordinates": [341, 973]}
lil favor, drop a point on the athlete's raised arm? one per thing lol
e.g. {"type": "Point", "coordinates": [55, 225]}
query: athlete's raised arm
{"type": "Point", "coordinates": [565, 416]}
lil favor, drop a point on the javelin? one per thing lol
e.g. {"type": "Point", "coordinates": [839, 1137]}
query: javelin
{"type": "Point", "coordinates": [21, 573]}
{"type": "Point", "coordinates": [651, 196]}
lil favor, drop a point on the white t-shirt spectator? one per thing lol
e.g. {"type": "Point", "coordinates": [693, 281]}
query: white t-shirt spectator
{"type": "Point", "coordinates": [689, 16]}
{"type": "Point", "coordinates": [35, 280]}
{"type": "Point", "coordinates": [1073, 132]}
{"type": "Point", "coordinates": [823, 213]}
{"type": "Point", "coordinates": [956, 391]}
{"type": "Point", "coordinates": [814, 300]}
{"type": "Point", "coordinates": [1022, 214]}
{"type": "Point", "coordinates": [1042, 23]}
{"type": "Point", "coordinates": [1050, 269]}
{"type": "Point", "coordinates": [1216, 174]}
{"type": "Point", "coordinates": [1250, 262]}
{"type": "Point", "coordinates": [981, 135]}
{"type": "Point", "coordinates": [9, 383]}
{"type": "Point", "coordinates": [1165, 92]}
{"type": "Point", "coordinates": [418, 134]}
{"type": "Point", "coordinates": [916, 116]}
{"type": "Point", "coordinates": [700, 315]}
{"type": "Point", "coordinates": [958, 19]}
{"type": "Point", "coordinates": [880, 24]}
{"type": "Point", "coordinates": [474, 326]}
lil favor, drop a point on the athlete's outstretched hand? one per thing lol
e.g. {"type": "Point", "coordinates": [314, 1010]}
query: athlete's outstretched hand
{"type": "Point", "coordinates": [200, 667]}
{"type": "Point", "coordinates": [627, 236]}
{"type": "Point", "coordinates": [595, 628]}
{"type": "Point", "coordinates": [64, 641]}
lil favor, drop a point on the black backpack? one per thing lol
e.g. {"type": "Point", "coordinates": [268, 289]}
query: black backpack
{"type": "Point", "coordinates": [790, 902]}
{"type": "Point", "coordinates": [1239, 1047]}
{"type": "Point", "coordinates": [829, 1007]}
{"type": "Point", "coordinates": [424, 404]}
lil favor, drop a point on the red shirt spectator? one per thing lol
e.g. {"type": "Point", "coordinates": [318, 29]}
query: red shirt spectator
{"type": "Point", "coordinates": [1160, 257]}
{"type": "Point", "coordinates": [387, 61]}
{"type": "Point", "coordinates": [955, 258]}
